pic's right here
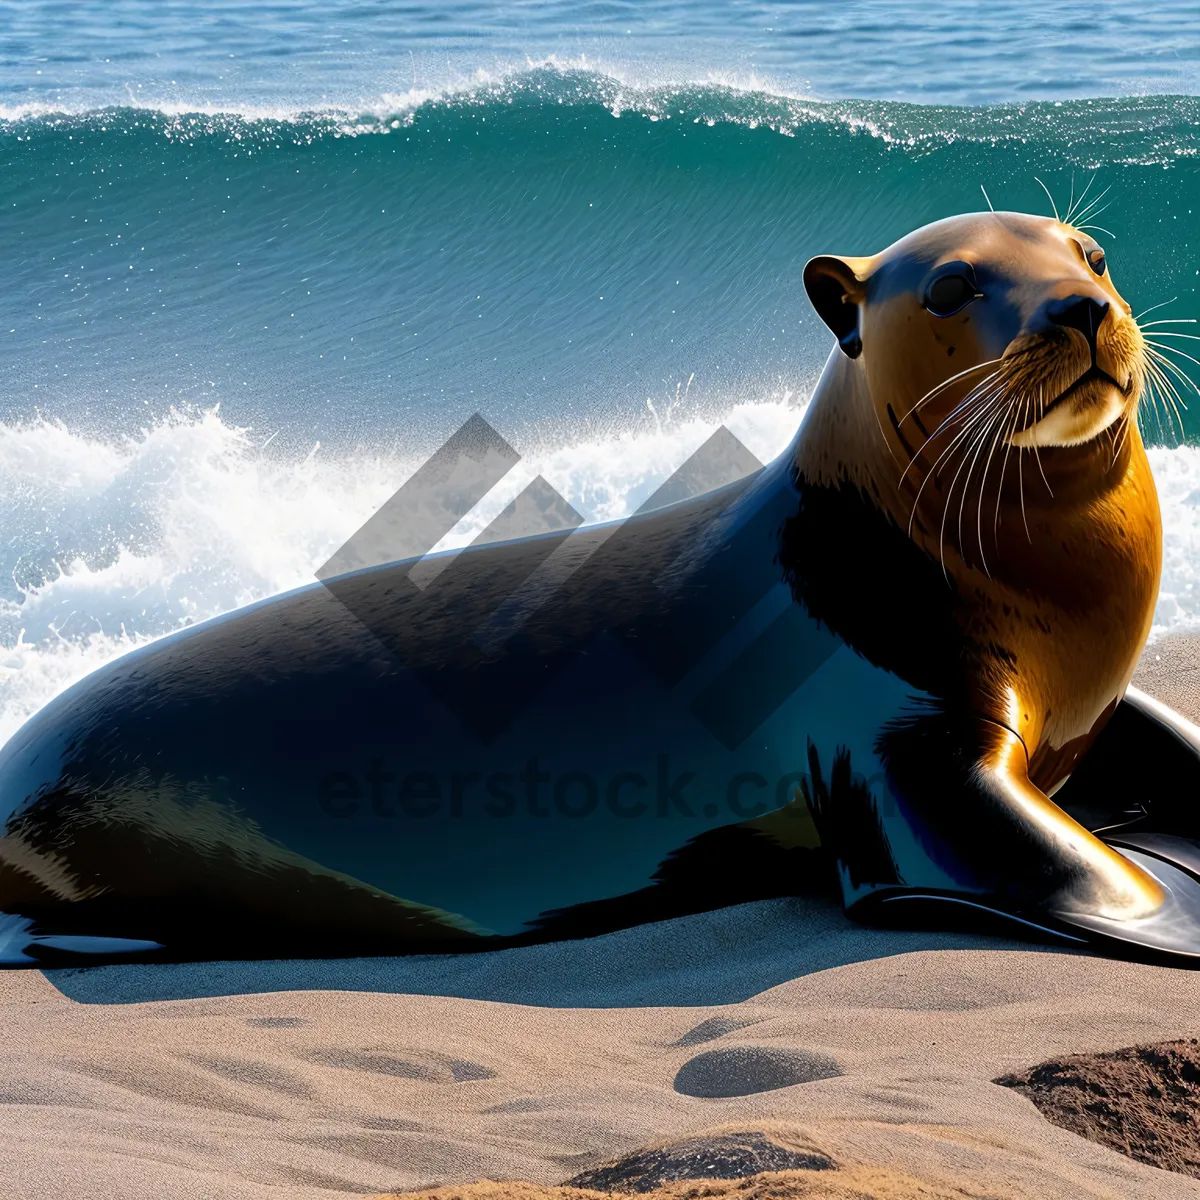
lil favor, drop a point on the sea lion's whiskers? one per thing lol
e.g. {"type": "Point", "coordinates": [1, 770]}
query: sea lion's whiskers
{"type": "Point", "coordinates": [1051, 199]}
{"type": "Point", "coordinates": [1154, 385]}
{"type": "Point", "coordinates": [977, 443]}
{"type": "Point", "coordinates": [995, 433]}
{"type": "Point", "coordinates": [1119, 441]}
{"type": "Point", "coordinates": [1086, 214]}
{"type": "Point", "coordinates": [1111, 433]}
{"type": "Point", "coordinates": [1168, 321]}
{"type": "Point", "coordinates": [984, 387]}
{"type": "Point", "coordinates": [1125, 434]}
{"type": "Point", "coordinates": [1153, 354]}
{"type": "Point", "coordinates": [975, 440]}
{"type": "Point", "coordinates": [1154, 373]}
{"type": "Point", "coordinates": [984, 402]}
{"type": "Point", "coordinates": [883, 433]}
{"type": "Point", "coordinates": [1164, 387]}
{"type": "Point", "coordinates": [1158, 351]}
{"type": "Point", "coordinates": [976, 395]}
{"type": "Point", "coordinates": [1093, 221]}
{"type": "Point", "coordinates": [992, 432]}
{"type": "Point", "coordinates": [1151, 387]}
{"type": "Point", "coordinates": [1005, 364]}
{"type": "Point", "coordinates": [954, 442]}
{"type": "Point", "coordinates": [896, 426]}
{"type": "Point", "coordinates": [1009, 365]}
{"type": "Point", "coordinates": [1158, 362]}
{"type": "Point", "coordinates": [980, 423]}
{"type": "Point", "coordinates": [1171, 419]}
{"type": "Point", "coordinates": [1012, 428]}
{"type": "Point", "coordinates": [1172, 396]}
{"type": "Point", "coordinates": [963, 438]}
{"type": "Point", "coordinates": [1095, 212]}
{"type": "Point", "coordinates": [1037, 457]}
{"type": "Point", "coordinates": [1040, 412]}
{"type": "Point", "coordinates": [1080, 210]}
{"type": "Point", "coordinates": [1021, 476]}
{"type": "Point", "coordinates": [1171, 333]}
{"type": "Point", "coordinates": [1082, 195]}
{"type": "Point", "coordinates": [960, 410]}
{"type": "Point", "coordinates": [1160, 304]}
{"type": "Point", "coordinates": [941, 387]}
{"type": "Point", "coordinates": [1084, 219]}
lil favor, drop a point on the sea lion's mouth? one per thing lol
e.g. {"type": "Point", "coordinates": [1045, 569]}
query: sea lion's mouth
{"type": "Point", "coordinates": [1093, 374]}
{"type": "Point", "coordinates": [1071, 418]}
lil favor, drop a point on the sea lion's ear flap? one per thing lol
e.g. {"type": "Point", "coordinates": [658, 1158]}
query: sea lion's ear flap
{"type": "Point", "coordinates": [836, 288]}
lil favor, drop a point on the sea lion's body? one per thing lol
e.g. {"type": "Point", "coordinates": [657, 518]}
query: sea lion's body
{"type": "Point", "coordinates": [284, 790]}
{"type": "Point", "coordinates": [797, 682]}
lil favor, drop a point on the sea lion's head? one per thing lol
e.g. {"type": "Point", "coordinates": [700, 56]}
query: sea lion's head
{"type": "Point", "coordinates": [984, 392]}
{"type": "Point", "coordinates": [997, 327]}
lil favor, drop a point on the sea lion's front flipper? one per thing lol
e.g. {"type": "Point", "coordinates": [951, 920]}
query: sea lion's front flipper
{"type": "Point", "coordinates": [968, 827]}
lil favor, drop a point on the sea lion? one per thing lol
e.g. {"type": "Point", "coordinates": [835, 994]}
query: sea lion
{"type": "Point", "coordinates": [866, 667]}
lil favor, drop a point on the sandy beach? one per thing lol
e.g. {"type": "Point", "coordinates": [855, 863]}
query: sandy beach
{"type": "Point", "coordinates": [481, 472]}
{"type": "Point", "coordinates": [873, 1052]}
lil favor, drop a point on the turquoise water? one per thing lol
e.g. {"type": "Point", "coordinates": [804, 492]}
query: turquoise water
{"type": "Point", "coordinates": [259, 260]}
{"type": "Point", "coordinates": [556, 247]}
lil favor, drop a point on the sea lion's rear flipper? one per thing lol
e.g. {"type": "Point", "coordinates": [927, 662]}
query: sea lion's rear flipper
{"type": "Point", "coordinates": [1140, 777]}
{"type": "Point", "coordinates": [968, 829]}
{"type": "Point", "coordinates": [166, 872]}
{"type": "Point", "coordinates": [1138, 788]}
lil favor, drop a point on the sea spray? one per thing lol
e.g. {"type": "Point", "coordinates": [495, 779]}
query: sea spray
{"type": "Point", "coordinates": [112, 543]}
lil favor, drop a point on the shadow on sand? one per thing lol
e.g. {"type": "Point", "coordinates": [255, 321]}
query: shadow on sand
{"type": "Point", "coordinates": [720, 957]}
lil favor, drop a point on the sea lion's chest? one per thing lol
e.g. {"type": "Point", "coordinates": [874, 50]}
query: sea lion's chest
{"type": "Point", "coordinates": [1067, 617]}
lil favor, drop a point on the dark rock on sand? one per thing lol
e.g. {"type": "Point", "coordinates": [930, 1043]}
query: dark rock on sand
{"type": "Point", "coordinates": [1143, 1100]}
{"type": "Point", "coordinates": [716, 1156]}
{"type": "Point", "coordinates": [745, 1070]}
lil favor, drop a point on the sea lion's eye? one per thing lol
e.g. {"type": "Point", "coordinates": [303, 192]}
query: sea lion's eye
{"type": "Point", "coordinates": [1097, 261]}
{"type": "Point", "coordinates": [950, 293]}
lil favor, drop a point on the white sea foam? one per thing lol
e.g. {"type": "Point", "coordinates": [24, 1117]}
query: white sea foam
{"type": "Point", "coordinates": [1177, 473]}
{"type": "Point", "coordinates": [584, 76]}
{"type": "Point", "coordinates": [658, 91]}
{"type": "Point", "coordinates": [113, 543]}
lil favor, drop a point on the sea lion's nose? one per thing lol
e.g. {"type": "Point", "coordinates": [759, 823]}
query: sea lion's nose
{"type": "Point", "coordinates": [1079, 312]}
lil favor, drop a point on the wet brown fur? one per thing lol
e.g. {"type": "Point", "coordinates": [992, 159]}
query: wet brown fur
{"type": "Point", "coordinates": [1061, 552]}
{"type": "Point", "coordinates": [1043, 515]}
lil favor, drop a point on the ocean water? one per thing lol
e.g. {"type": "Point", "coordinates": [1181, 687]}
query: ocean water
{"type": "Point", "coordinates": [258, 262]}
